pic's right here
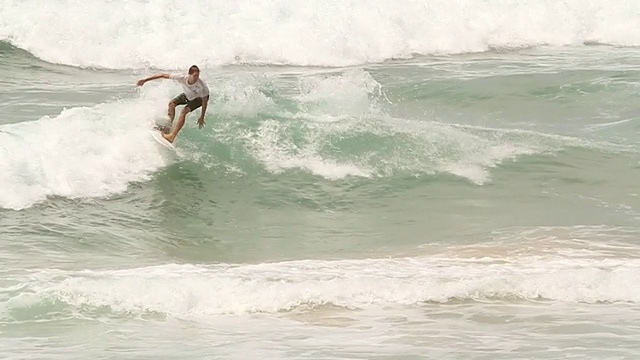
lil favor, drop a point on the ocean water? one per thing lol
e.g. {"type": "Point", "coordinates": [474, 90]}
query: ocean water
{"type": "Point", "coordinates": [376, 180]}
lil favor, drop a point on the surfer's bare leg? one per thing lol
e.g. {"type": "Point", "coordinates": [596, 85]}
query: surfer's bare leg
{"type": "Point", "coordinates": [172, 111]}
{"type": "Point", "coordinates": [171, 137]}
{"type": "Point", "coordinates": [172, 115]}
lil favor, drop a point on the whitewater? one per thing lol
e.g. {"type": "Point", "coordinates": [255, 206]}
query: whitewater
{"type": "Point", "coordinates": [166, 34]}
{"type": "Point", "coordinates": [389, 180]}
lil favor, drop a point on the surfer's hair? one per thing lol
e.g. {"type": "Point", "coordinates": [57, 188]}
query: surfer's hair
{"type": "Point", "coordinates": [193, 69]}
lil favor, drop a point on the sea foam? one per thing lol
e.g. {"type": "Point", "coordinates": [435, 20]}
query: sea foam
{"type": "Point", "coordinates": [166, 34]}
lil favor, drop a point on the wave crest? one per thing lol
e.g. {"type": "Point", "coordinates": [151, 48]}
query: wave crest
{"type": "Point", "coordinates": [163, 34]}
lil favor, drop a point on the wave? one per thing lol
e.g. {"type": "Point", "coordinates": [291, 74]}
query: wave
{"type": "Point", "coordinates": [162, 34]}
{"type": "Point", "coordinates": [335, 127]}
{"type": "Point", "coordinates": [83, 152]}
{"type": "Point", "coordinates": [544, 268]}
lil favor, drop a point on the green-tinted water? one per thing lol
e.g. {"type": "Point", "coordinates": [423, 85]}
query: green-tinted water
{"type": "Point", "coordinates": [481, 206]}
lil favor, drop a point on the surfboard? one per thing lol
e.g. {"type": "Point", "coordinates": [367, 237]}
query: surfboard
{"type": "Point", "coordinates": [157, 136]}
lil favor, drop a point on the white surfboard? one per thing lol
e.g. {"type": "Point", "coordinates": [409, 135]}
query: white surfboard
{"type": "Point", "coordinates": [161, 140]}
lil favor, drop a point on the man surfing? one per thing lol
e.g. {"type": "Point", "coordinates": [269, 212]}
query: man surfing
{"type": "Point", "coordinates": [195, 95]}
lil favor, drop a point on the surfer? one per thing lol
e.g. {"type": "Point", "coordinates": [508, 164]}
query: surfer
{"type": "Point", "coordinates": [195, 95]}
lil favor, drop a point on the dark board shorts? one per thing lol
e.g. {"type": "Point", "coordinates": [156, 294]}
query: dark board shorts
{"type": "Point", "coordinates": [182, 100]}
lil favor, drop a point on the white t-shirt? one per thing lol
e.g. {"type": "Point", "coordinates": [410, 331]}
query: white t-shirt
{"type": "Point", "coordinates": [191, 91]}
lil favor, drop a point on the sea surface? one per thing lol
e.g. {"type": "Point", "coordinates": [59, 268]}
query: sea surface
{"type": "Point", "coordinates": [376, 180]}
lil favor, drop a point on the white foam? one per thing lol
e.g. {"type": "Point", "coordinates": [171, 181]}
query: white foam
{"type": "Point", "coordinates": [349, 93]}
{"type": "Point", "coordinates": [275, 147]}
{"type": "Point", "coordinates": [477, 160]}
{"type": "Point", "coordinates": [165, 34]}
{"type": "Point", "coordinates": [328, 105]}
{"type": "Point", "coordinates": [365, 142]}
{"type": "Point", "coordinates": [241, 96]}
{"type": "Point", "coordinates": [83, 152]}
{"type": "Point", "coordinates": [201, 291]}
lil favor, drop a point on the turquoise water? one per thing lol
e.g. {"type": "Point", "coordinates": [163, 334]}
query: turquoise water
{"type": "Point", "coordinates": [396, 198]}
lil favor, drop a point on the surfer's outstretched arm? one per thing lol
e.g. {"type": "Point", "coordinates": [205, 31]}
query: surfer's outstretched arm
{"type": "Point", "coordinates": [153, 77]}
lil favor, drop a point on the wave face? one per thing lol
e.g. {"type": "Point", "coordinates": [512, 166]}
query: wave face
{"type": "Point", "coordinates": [335, 129]}
{"type": "Point", "coordinates": [166, 34]}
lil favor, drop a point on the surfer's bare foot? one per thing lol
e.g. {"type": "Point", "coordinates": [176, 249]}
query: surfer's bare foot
{"type": "Point", "coordinates": [168, 137]}
{"type": "Point", "coordinates": [163, 129]}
